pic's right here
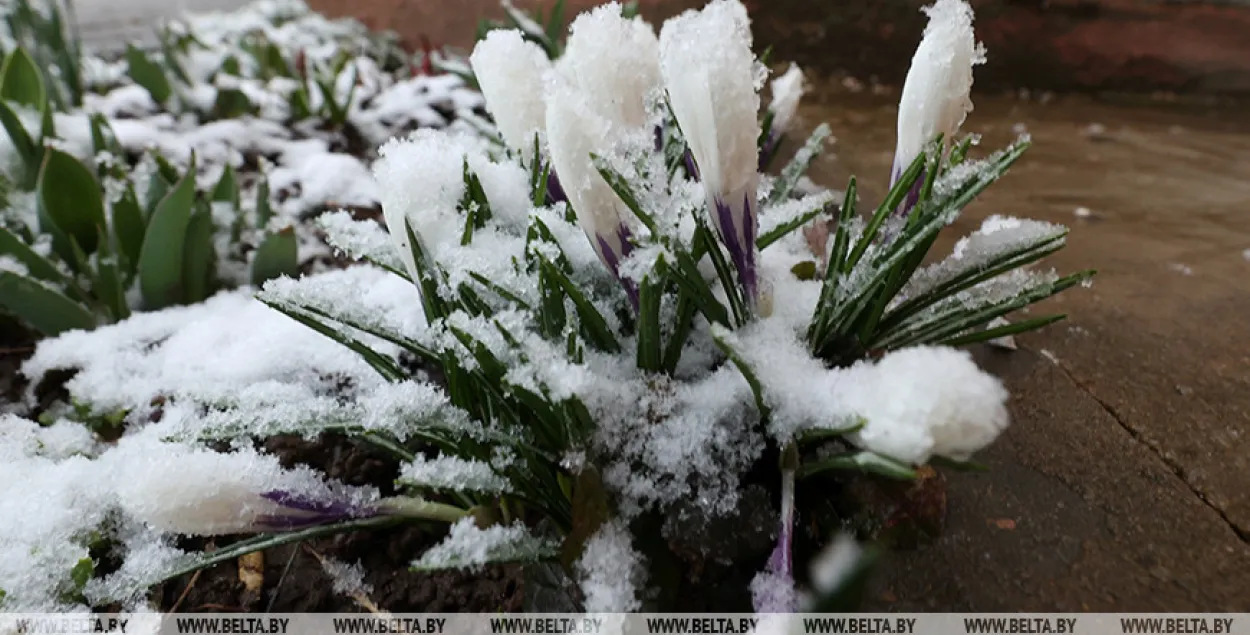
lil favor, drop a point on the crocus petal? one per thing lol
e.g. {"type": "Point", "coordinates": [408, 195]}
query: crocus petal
{"type": "Point", "coordinates": [935, 98]}
{"type": "Point", "coordinates": [615, 62]}
{"type": "Point", "coordinates": [709, 71]}
{"type": "Point", "coordinates": [510, 70]}
{"type": "Point", "coordinates": [193, 491]}
{"type": "Point", "coordinates": [574, 132]}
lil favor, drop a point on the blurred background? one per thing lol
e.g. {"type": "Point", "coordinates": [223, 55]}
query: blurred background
{"type": "Point", "coordinates": [1192, 47]}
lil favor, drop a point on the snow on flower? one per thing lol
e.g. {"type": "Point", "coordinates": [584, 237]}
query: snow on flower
{"type": "Point", "coordinates": [935, 98]}
{"type": "Point", "coordinates": [709, 72]}
{"type": "Point", "coordinates": [615, 62]}
{"type": "Point", "coordinates": [198, 492]}
{"type": "Point", "coordinates": [510, 71]}
{"type": "Point", "coordinates": [575, 132]}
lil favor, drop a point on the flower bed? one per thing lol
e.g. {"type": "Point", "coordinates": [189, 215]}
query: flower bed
{"type": "Point", "coordinates": [603, 345]}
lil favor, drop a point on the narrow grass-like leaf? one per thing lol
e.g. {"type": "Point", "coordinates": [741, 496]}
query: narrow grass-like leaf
{"type": "Point", "coordinates": [385, 366]}
{"type": "Point", "coordinates": [863, 461]}
{"type": "Point", "coordinates": [887, 207]}
{"type": "Point", "coordinates": [733, 291]}
{"type": "Point", "coordinates": [1014, 328]}
{"type": "Point", "coordinates": [624, 191]}
{"type": "Point", "coordinates": [650, 336]}
{"type": "Point", "coordinates": [781, 231]}
{"type": "Point", "coordinates": [799, 165]}
{"type": "Point", "coordinates": [721, 336]}
{"type": "Point", "coordinates": [499, 290]}
{"type": "Point", "coordinates": [45, 309]}
{"type": "Point", "coordinates": [594, 326]}
{"type": "Point", "coordinates": [1007, 261]}
{"type": "Point", "coordinates": [682, 327]}
{"type": "Point", "coordinates": [232, 103]}
{"type": "Point", "coordinates": [945, 324]}
{"type": "Point", "coordinates": [429, 280]}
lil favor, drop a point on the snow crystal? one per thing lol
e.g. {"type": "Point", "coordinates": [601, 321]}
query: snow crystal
{"type": "Point", "coordinates": [469, 547]}
{"type": "Point", "coordinates": [454, 474]}
{"type": "Point", "coordinates": [360, 239]}
{"type": "Point", "coordinates": [610, 571]}
{"type": "Point", "coordinates": [347, 579]}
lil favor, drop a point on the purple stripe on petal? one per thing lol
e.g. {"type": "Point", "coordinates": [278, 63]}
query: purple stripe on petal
{"type": "Point", "coordinates": [555, 191]}
{"type": "Point", "coordinates": [307, 511]}
{"type": "Point", "coordinates": [613, 260]}
{"type": "Point", "coordinates": [659, 138]}
{"type": "Point", "coordinates": [743, 256]}
{"type": "Point", "coordinates": [691, 167]}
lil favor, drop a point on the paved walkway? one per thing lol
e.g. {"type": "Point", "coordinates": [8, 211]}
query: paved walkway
{"type": "Point", "coordinates": [110, 24]}
{"type": "Point", "coordinates": [1122, 483]}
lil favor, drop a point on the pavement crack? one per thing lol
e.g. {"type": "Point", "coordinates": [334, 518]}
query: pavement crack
{"type": "Point", "coordinates": [1176, 468]}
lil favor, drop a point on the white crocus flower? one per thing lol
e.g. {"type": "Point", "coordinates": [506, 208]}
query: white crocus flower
{"type": "Point", "coordinates": [710, 73]}
{"type": "Point", "coordinates": [574, 132]}
{"type": "Point", "coordinates": [787, 90]}
{"type": "Point", "coordinates": [191, 491]}
{"type": "Point", "coordinates": [922, 402]}
{"type": "Point", "coordinates": [935, 97]}
{"type": "Point", "coordinates": [615, 62]}
{"type": "Point", "coordinates": [510, 70]}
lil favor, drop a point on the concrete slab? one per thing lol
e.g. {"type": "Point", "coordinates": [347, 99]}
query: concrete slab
{"type": "Point", "coordinates": [109, 24]}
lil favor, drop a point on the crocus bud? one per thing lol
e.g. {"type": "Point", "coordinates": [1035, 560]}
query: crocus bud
{"type": "Point", "coordinates": [574, 132]}
{"type": "Point", "coordinates": [935, 97]}
{"type": "Point", "coordinates": [787, 90]}
{"type": "Point", "coordinates": [615, 62]}
{"type": "Point", "coordinates": [509, 70]}
{"type": "Point", "coordinates": [198, 492]}
{"type": "Point", "coordinates": [709, 71]}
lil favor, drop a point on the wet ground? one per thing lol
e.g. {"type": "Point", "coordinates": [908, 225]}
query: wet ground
{"type": "Point", "coordinates": [1124, 481]}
